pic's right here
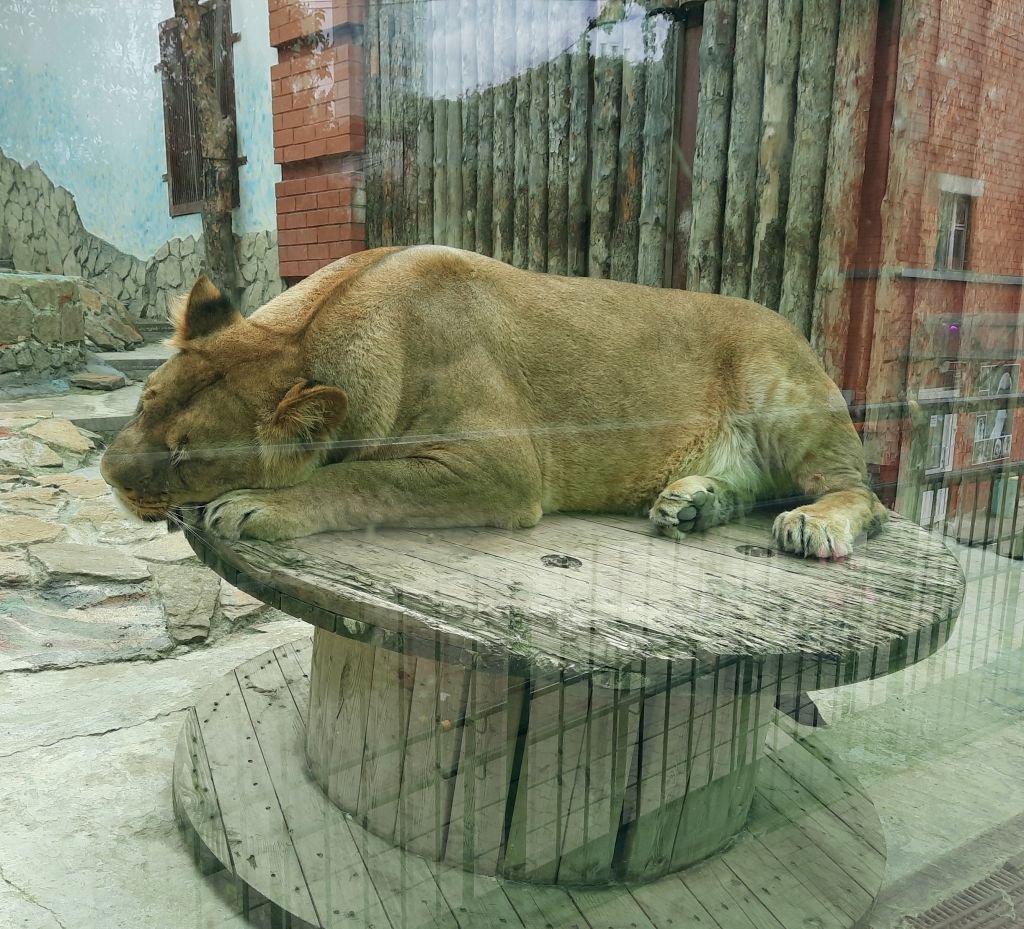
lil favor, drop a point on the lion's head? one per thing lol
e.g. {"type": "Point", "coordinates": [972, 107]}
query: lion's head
{"type": "Point", "coordinates": [231, 409]}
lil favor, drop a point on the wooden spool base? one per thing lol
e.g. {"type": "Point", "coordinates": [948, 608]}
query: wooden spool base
{"type": "Point", "coordinates": [812, 851]}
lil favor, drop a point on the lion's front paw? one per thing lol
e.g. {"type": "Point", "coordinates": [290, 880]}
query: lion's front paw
{"type": "Point", "coordinates": [812, 535]}
{"type": "Point", "coordinates": [252, 514]}
{"type": "Point", "coordinates": [686, 505]}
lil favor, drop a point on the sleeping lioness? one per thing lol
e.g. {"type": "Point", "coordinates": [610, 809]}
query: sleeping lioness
{"type": "Point", "coordinates": [431, 387]}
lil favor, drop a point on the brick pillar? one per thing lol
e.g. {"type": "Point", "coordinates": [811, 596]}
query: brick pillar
{"type": "Point", "coordinates": [319, 131]}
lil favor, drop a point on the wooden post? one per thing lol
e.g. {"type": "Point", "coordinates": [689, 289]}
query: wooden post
{"type": "Point", "coordinates": [626, 229]}
{"type": "Point", "coordinates": [485, 54]}
{"type": "Point", "coordinates": [537, 256]}
{"type": "Point", "coordinates": [406, 48]}
{"type": "Point", "coordinates": [659, 162]}
{"type": "Point", "coordinates": [810, 151]}
{"type": "Point", "coordinates": [605, 148]}
{"type": "Point", "coordinates": [374, 153]}
{"type": "Point", "coordinates": [855, 68]}
{"type": "Point", "coordinates": [439, 56]}
{"type": "Point", "coordinates": [504, 135]}
{"type": "Point", "coordinates": [717, 53]}
{"type": "Point", "coordinates": [744, 132]}
{"type": "Point", "coordinates": [469, 13]}
{"type": "Point", "coordinates": [579, 150]}
{"type": "Point", "coordinates": [453, 104]}
{"type": "Point", "coordinates": [559, 72]}
{"type": "Point", "coordinates": [391, 181]}
{"type": "Point", "coordinates": [782, 48]}
{"type": "Point", "coordinates": [424, 77]}
{"type": "Point", "coordinates": [521, 204]}
{"type": "Point", "coordinates": [217, 141]}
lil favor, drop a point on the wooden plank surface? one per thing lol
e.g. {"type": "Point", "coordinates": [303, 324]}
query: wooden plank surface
{"type": "Point", "coordinates": [633, 596]}
{"type": "Point", "coordinates": [797, 863]}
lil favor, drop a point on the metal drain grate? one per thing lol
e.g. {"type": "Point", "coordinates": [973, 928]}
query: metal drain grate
{"type": "Point", "coordinates": [997, 902]}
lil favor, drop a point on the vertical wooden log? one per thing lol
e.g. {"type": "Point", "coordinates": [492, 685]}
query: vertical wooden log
{"type": "Point", "coordinates": [901, 222]}
{"type": "Point", "coordinates": [628, 187]}
{"type": "Point", "coordinates": [504, 134]}
{"type": "Point", "coordinates": [485, 54]}
{"type": "Point", "coordinates": [810, 150]}
{"type": "Point", "coordinates": [469, 18]}
{"type": "Point", "coordinates": [578, 153]}
{"type": "Point", "coordinates": [661, 43]}
{"type": "Point", "coordinates": [605, 148]}
{"type": "Point", "coordinates": [744, 132]}
{"type": "Point", "coordinates": [537, 259]}
{"type": "Point", "coordinates": [437, 37]}
{"type": "Point", "coordinates": [717, 52]}
{"type": "Point", "coordinates": [521, 197]}
{"type": "Point", "coordinates": [855, 69]}
{"type": "Point", "coordinates": [404, 52]}
{"type": "Point", "coordinates": [390, 179]}
{"type": "Point", "coordinates": [453, 103]}
{"type": "Point", "coordinates": [558, 164]}
{"type": "Point", "coordinates": [423, 89]}
{"type": "Point", "coordinates": [374, 153]}
{"type": "Point", "coordinates": [782, 48]}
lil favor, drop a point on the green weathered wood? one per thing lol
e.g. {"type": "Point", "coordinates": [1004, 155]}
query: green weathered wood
{"type": "Point", "coordinates": [782, 56]}
{"type": "Point", "coordinates": [522, 141]}
{"type": "Point", "coordinates": [537, 175]}
{"type": "Point", "coordinates": [423, 77]}
{"type": "Point", "coordinates": [578, 214]}
{"type": "Point", "coordinates": [559, 90]}
{"type": "Point", "coordinates": [558, 715]}
{"type": "Point", "coordinates": [629, 187]}
{"type": "Point", "coordinates": [390, 132]}
{"type": "Point", "coordinates": [262, 849]}
{"type": "Point", "coordinates": [504, 138]}
{"type": "Point", "coordinates": [710, 163]}
{"type": "Point", "coordinates": [327, 855]}
{"type": "Point", "coordinates": [433, 744]}
{"type": "Point", "coordinates": [440, 64]}
{"type": "Point", "coordinates": [374, 142]}
{"type": "Point", "coordinates": [404, 55]}
{"type": "Point", "coordinates": [469, 11]}
{"type": "Point", "coordinates": [486, 52]}
{"type": "Point", "coordinates": [744, 133]}
{"type": "Point", "coordinates": [195, 794]}
{"type": "Point", "coordinates": [482, 782]}
{"type": "Point", "coordinates": [660, 160]}
{"type": "Point", "coordinates": [607, 69]}
{"type": "Point", "coordinates": [599, 789]}
{"type": "Point", "coordinates": [818, 37]}
{"type": "Point", "coordinates": [453, 154]}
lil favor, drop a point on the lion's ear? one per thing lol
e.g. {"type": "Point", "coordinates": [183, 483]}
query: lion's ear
{"type": "Point", "coordinates": [205, 311]}
{"type": "Point", "coordinates": [309, 412]}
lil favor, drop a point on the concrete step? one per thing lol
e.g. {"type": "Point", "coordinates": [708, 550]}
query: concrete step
{"type": "Point", "coordinates": [138, 364]}
{"type": "Point", "coordinates": [154, 330]}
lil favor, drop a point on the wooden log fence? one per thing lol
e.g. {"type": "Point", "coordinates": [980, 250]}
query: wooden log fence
{"type": "Point", "coordinates": [558, 149]}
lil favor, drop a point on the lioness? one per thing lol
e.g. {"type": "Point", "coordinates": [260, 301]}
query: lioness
{"type": "Point", "coordinates": [431, 387]}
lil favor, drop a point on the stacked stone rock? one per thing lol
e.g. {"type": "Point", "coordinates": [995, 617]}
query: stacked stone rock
{"type": "Point", "coordinates": [41, 231]}
{"type": "Point", "coordinates": [41, 327]}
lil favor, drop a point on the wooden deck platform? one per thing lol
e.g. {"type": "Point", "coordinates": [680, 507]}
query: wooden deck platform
{"type": "Point", "coordinates": [812, 852]}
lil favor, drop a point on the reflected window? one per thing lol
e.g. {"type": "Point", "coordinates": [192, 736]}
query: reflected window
{"type": "Point", "coordinates": [954, 230]}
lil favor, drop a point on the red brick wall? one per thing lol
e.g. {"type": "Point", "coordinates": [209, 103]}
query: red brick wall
{"type": "Point", "coordinates": [319, 131]}
{"type": "Point", "coordinates": [959, 110]}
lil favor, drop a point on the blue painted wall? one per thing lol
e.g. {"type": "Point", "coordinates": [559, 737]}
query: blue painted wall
{"type": "Point", "coordinates": [78, 94]}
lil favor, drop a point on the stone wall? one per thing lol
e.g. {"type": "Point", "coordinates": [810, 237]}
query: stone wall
{"type": "Point", "coordinates": [42, 327]}
{"type": "Point", "coordinates": [41, 231]}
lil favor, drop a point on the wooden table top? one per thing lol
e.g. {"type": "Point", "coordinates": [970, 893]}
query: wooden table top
{"type": "Point", "coordinates": [593, 591]}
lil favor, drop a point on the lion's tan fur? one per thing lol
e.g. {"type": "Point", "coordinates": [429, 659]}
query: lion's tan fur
{"type": "Point", "coordinates": [476, 393]}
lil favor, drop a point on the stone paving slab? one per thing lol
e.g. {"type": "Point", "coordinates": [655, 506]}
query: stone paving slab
{"type": "Point", "coordinates": [87, 409]}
